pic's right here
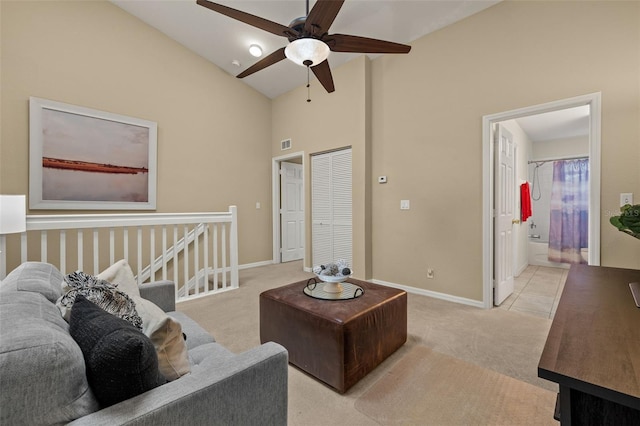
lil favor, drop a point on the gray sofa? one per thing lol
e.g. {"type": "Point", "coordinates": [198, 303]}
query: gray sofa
{"type": "Point", "coordinates": [43, 380]}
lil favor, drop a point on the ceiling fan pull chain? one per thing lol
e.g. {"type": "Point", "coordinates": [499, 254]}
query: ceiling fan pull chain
{"type": "Point", "coordinates": [308, 86]}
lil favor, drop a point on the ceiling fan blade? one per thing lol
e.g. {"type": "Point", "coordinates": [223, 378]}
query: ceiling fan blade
{"type": "Point", "coordinates": [276, 56]}
{"type": "Point", "coordinates": [247, 18]}
{"type": "Point", "coordinates": [323, 74]}
{"type": "Point", "coordinates": [356, 44]}
{"type": "Point", "coordinates": [322, 16]}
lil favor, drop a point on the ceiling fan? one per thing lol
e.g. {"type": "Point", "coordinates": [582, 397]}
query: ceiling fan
{"type": "Point", "coordinates": [309, 40]}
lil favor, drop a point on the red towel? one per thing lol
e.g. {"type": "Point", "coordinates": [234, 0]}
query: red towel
{"type": "Point", "coordinates": [525, 201]}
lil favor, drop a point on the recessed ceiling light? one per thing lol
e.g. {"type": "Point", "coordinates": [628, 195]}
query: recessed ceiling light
{"type": "Point", "coordinates": [255, 50]}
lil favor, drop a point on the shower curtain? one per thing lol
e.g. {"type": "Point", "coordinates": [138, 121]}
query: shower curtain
{"type": "Point", "coordinates": [569, 224]}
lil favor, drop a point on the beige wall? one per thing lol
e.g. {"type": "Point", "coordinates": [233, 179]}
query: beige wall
{"type": "Point", "coordinates": [426, 112]}
{"type": "Point", "coordinates": [328, 122]}
{"type": "Point", "coordinates": [93, 54]}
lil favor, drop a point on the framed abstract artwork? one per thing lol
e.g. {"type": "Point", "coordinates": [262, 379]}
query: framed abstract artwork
{"type": "Point", "coordinates": [85, 159]}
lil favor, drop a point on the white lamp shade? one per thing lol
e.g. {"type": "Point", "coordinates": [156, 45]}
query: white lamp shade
{"type": "Point", "coordinates": [307, 49]}
{"type": "Point", "coordinates": [13, 214]}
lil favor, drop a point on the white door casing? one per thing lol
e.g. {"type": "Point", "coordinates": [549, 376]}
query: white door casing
{"type": "Point", "coordinates": [291, 211]}
{"type": "Point", "coordinates": [331, 207]}
{"type": "Point", "coordinates": [504, 214]}
{"type": "Point", "coordinates": [594, 100]}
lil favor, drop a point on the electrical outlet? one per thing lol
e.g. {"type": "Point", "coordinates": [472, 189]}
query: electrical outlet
{"type": "Point", "coordinates": [405, 205]}
{"type": "Point", "coordinates": [430, 273]}
{"type": "Point", "coordinates": [626, 198]}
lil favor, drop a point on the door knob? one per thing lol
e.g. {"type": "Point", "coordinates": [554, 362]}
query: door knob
{"type": "Point", "coordinates": [515, 221]}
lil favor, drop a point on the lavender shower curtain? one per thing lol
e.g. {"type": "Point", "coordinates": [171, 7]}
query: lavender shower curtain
{"type": "Point", "coordinates": [569, 225]}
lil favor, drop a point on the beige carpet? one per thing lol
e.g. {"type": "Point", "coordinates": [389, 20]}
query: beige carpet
{"type": "Point", "coordinates": [446, 390]}
{"type": "Point", "coordinates": [504, 342]}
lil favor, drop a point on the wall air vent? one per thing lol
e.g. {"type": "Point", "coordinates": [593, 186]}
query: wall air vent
{"type": "Point", "coordinates": [285, 144]}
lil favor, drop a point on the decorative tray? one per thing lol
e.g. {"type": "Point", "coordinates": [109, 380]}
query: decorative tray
{"type": "Point", "coordinates": [317, 288]}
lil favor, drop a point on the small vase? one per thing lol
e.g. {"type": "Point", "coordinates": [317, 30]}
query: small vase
{"type": "Point", "coordinates": [333, 287]}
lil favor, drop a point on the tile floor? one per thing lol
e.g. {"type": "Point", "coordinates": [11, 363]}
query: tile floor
{"type": "Point", "coordinates": [537, 291]}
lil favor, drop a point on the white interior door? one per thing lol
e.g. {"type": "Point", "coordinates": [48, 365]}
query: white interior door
{"type": "Point", "coordinates": [504, 214]}
{"type": "Point", "coordinates": [291, 211]}
{"type": "Point", "coordinates": [331, 207]}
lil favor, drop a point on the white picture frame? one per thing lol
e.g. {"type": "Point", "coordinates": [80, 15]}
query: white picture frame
{"type": "Point", "coordinates": [84, 159]}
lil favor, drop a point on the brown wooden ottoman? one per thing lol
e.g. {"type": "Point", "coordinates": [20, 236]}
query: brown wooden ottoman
{"type": "Point", "coordinates": [336, 341]}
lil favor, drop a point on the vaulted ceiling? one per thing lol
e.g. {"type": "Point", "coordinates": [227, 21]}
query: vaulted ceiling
{"type": "Point", "coordinates": [223, 40]}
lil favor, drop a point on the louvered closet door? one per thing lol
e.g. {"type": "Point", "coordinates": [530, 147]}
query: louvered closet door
{"type": "Point", "coordinates": [331, 229]}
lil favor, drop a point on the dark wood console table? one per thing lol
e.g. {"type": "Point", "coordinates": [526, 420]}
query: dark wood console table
{"type": "Point", "coordinates": [593, 348]}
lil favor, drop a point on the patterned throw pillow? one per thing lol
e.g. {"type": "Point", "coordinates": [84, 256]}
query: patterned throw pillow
{"type": "Point", "coordinates": [102, 293]}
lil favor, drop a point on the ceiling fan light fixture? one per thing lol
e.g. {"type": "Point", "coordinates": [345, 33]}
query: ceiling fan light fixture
{"type": "Point", "coordinates": [255, 50]}
{"type": "Point", "coordinates": [307, 49]}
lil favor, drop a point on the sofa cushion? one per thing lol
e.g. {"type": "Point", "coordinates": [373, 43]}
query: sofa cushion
{"type": "Point", "coordinates": [36, 277]}
{"type": "Point", "coordinates": [209, 350]}
{"type": "Point", "coordinates": [121, 361]}
{"type": "Point", "coordinates": [37, 355]}
{"type": "Point", "coordinates": [164, 331]}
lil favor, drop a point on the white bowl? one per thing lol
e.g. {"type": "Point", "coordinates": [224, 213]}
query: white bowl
{"type": "Point", "coordinates": [333, 278]}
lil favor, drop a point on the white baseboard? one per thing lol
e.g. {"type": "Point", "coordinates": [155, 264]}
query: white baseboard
{"type": "Point", "coordinates": [256, 264]}
{"type": "Point", "coordinates": [434, 294]}
{"type": "Point", "coordinates": [408, 289]}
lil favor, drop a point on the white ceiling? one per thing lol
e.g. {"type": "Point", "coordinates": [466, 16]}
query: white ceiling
{"type": "Point", "coordinates": [562, 124]}
{"type": "Point", "coordinates": [222, 40]}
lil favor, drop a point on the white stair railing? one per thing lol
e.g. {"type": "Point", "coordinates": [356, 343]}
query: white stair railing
{"type": "Point", "coordinates": [198, 251]}
{"type": "Point", "coordinates": [161, 261]}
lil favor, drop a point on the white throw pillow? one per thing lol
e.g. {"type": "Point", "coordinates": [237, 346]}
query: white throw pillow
{"type": "Point", "coordinates": [120, 274]}
{"type": "Point", "coordinates": [164, 331]}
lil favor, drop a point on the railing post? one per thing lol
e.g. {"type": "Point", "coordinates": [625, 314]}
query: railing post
{"type": "Point", "coordinates": [233, 246]}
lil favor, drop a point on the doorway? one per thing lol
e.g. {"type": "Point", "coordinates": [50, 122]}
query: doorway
{"type": "Point", "coordinates": [489, 179]}
{"type": "Point", "coordinates": [282, 241]}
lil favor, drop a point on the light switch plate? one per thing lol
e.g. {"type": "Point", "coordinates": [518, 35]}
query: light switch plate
{"type": "Point", "coordinates": [404, 204]}
{"type": "Point", "coordinates": [626, 198]}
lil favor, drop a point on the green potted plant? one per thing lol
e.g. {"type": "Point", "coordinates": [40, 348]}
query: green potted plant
{"type": "Point", "coordinates": [629, 220]}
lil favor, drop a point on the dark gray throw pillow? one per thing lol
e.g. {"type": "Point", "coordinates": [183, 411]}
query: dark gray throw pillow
{"type": "Point", "coordinates": [121, 362]}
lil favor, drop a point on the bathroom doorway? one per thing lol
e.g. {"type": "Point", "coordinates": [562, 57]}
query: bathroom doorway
{"type": "Point", "coordinates": [526, 118]}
